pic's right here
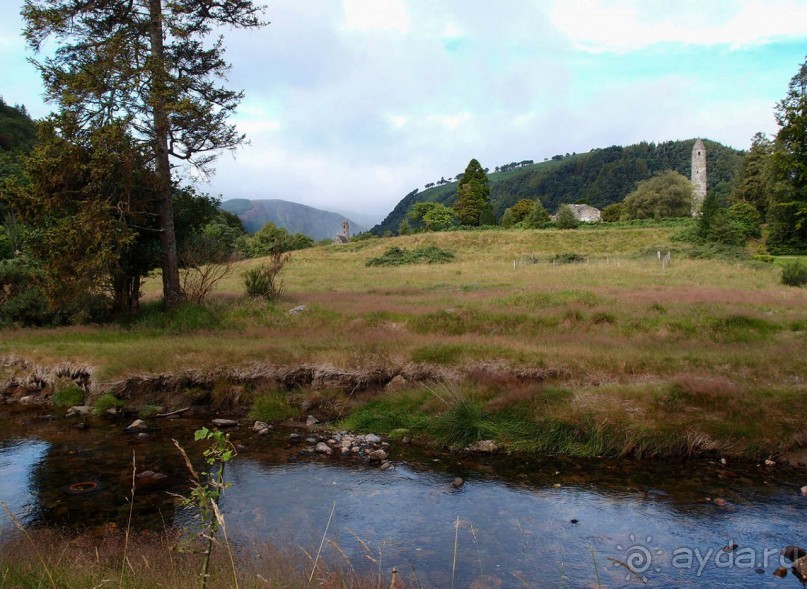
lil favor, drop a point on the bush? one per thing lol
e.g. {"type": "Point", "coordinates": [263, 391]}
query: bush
{"type": "Point", "coordinates": [568, 258]}
{"type": "Point", "coordinates": [21, 302]}
{"type": "Point", "coordinates": [396, 256]}
{"type": "Point", "coordinates": [265, 280]}
{"type": "Point", "coordinates": [794, 273]}
{"type": "Point", "coordinates": [612, 213]}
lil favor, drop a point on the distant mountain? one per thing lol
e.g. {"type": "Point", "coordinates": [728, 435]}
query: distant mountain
{"type": "Point", "coordinates": [293, 217]}
{"type": "Point", "coordinates": [597, 178]}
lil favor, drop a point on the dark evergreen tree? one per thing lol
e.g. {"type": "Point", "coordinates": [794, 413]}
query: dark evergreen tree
{"type": "Point", "coordinates": [755, 183]}
{"type": "Point", "coordinates": [788, 212]}
{"type": "Point", "coordinates": [472, 204]}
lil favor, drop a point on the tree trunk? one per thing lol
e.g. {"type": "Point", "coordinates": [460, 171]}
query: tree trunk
{"type": "Point", "coordinates": [168, 241]}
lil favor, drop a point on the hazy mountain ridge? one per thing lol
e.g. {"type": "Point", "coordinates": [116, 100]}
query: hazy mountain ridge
{"type": "Point", "coordinates": [294, 217]}
{"type": "Point", "coordinates": [598, 178]}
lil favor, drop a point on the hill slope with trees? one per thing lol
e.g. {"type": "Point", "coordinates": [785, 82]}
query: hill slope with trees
{"type": "Point", "coordinates": [598, 178]}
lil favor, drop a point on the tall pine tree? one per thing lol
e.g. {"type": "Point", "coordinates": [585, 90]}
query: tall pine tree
{"type": "Point", "coordinates": [472, 205]}
{"type": "Point", "coordinates": [145, 64]}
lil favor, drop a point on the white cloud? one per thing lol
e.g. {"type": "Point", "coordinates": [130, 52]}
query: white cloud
{"type": "Point", "coordinates": [450, 121]}
{"type": "Point", "coordinates": [627, 25]}
{"type": "Point", "coordinates": [376, 15]}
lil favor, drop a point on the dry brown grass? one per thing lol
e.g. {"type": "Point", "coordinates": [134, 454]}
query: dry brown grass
{"type": "Point", "coordinates": [166, 561]}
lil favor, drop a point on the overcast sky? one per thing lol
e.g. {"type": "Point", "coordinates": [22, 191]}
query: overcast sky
{"type": "Point", "coordinates": [350, 104]}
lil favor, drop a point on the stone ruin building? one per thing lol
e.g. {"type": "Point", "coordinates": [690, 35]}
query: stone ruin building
{"type": "Point", "coordinates": [698, 177]}
{"type": "Point", "coordinates": [343, 237]}
{"type": "Point", "coordinates": [583, 213]}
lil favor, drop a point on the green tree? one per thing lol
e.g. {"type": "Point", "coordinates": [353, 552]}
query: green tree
{"type": "Point", "coordinates": [668, 194]}
{"type": "Point", "coordinates": [432, 216]}
{"type": "Point", "coordinates": [518, 212]}
{"type": "Point", "coordinates": [565, 218]}
{"type": "Point", "coordinates": [145, 64]}
{"type": "Point", "coordinates": [755, 184]}
{"type": "Point", "coordinates": [271, 239]}
{"type": "Point", "coordinates": [472, 204]}
{"type": "Point", "coordinates": [787, 216]}
{"type": "Point", "coordinates": [538, 217]}
{"type": "Point", "coordinates": [404, 227]}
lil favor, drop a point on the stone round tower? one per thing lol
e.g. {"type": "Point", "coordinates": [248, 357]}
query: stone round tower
{"type": "Point", "coordinates": [698, 177]}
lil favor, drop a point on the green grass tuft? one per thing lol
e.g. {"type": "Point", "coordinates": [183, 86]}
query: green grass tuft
{"type": "Point", "coordinates": [104, 402]}
{"type": "Point", "coordinates": [68, 396]}
{"type": "Point", "coordinates": [273, 406]}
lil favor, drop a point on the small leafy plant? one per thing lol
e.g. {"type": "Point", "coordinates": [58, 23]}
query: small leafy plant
{"type": "Point", "coordinates": [265, 280]}
{"type": "Point", "coordinates": [206, 489]}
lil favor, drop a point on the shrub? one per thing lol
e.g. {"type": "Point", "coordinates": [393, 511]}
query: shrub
{"type": "Point", "coordinates": [794, 273]}
{"type": "Point", "coordinates": [265, 280]}
{"type": "Point", "coordinates": [566, 219]}
{"type": "Point", "coordinates": [612, 213]}
{"type": "Point", "coordinates": [568, 258]}
{"type": "Point", "coordinates": [21, 302]}
{"type": "Point", "coordinates": [396, 256]}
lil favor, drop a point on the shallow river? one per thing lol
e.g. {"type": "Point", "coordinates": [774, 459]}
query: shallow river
{"type": "Point", "coordinates": [546, 522]}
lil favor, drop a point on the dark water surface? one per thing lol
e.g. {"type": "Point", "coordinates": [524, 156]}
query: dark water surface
{"type": "Point", "coordinates": [546, 522]}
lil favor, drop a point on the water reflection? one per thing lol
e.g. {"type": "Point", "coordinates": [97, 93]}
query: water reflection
{"type": "Point", "coordinates": [544, 522]}
{"type": "Point", "coordinates": [18, 460]}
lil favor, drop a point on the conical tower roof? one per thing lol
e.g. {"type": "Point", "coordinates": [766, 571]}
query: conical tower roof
{"type": "Point", "coordinates": [699, 145]}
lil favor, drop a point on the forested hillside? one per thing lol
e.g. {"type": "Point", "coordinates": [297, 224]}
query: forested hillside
{"type": "Point", "coordinates": [599, 177]}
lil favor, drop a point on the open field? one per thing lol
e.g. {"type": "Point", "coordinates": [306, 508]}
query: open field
{"type": "Point", "coordinates": [617, 354]}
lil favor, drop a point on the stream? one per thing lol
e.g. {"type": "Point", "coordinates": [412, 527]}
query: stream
{"type": "Point", "coordinates": [515, 522]}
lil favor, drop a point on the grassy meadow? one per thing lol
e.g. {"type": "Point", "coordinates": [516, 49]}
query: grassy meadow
{"type": "Point", "coordinates": [617, 354]}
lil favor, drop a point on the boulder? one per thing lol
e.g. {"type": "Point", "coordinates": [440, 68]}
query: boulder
{"type": "Point", "coordinates": [799, 569]}
{"type": "Point", "coordinates": [148, 479]}
{"type": "Point", "coordinates": [219, 422]}
{"type": "Point", "coordinates": [297, 310]}
{"type": "Point", "coordinates": [484, 447]}
{"type": "Point", "coordinates": [323, 448]}
{"type": "Point", "coordinates": [377, 456]}
{"type": "Point", "coordinates": [457, 483]}
{"type": "Point", "coordinates": [804, 490]}
{"type": "Point", "coordinates": [80, 410]}
{"type": "Point", "coordinates": [311, 420]}
{"type": "Point", "coordinates": [372, 439]}
{"type": "Point", "coordinates": [261, 428]}
{"type": "Point", "coordinates": [138, 425]}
